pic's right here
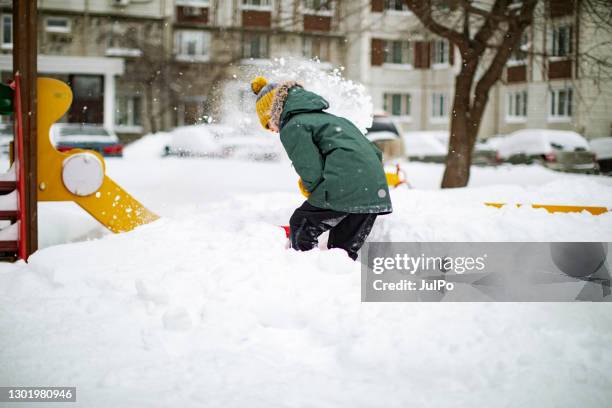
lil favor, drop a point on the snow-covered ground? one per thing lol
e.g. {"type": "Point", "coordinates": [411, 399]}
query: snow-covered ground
{"type": "Point", "coordinates": [204, 308]}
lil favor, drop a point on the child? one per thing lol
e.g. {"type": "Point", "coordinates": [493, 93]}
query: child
{"type": "Point", "coordinates": [340, 171]}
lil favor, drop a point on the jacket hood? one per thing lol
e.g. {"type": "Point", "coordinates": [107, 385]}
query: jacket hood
{"type": "Point", "coordinates": [291, 98]}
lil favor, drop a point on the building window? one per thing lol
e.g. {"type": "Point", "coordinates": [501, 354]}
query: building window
{"type": "Point", "coordinates": [57, 25]}
{"type": "Point", "coordinates": [519, 55]}
{"type": "Point", "coordinates": [440, 52]}
{"type": "Point", "coordinates": [128, 111]}
{"type": "Point", "coordinates": [7, 31]}
{"type": "Point", "coordinates": [398, 52]}
{"type": "Point", "coordinates": [561, 104]}
{"type": "Point", "coordinates": [562, 41]}
{"type": "Point", "coordinates": [516, 105]}
{"type": "Point", "coordinates": [396, 5]}
{"type": "Point", "coordinates": [257, 4]}
{"type": "Point", "coordinates": [397, 104]}
{"type": "Point", "coordinates": [255, 46]}
{"type": "Point", "coordinates": [318, 5]}
{"type": "Point", "coordinates": [192, 45]}
{"type": "Point", "coordinates": [315, 48]}
{"type": "Point", "coordinates": [439, 110]}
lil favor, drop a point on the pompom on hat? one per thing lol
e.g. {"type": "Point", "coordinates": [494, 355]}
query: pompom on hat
{"type": "Point", "coordinates": [265, 95]}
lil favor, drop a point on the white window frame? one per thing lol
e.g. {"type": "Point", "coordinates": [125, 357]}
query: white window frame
{"type": "Point", "coordinates": [247, 5]}
{"type": "Point", "coordinates": [405, 101]}
{"type": "Point", "coordinates": [439, 108]}
{"type": "Point", "coordinates": [130, 126]}
{"type": "Point", "coordinates": [244, 44]}
{"type": "Point", "coordinates": [55, 29]}
{"type": "Point", "coordinates": [437, 63]}
{"type": "Point", "coordinates": [7, 45]}
{"type": "Point", "coordinates": [202, 51]}
{"type": "Point", "coordinates": [404, 11]}
{"type": "Point", "coordinates": [407, 54]}
{"type": "Point", "coordinates": [517, 103]}
{"type": "Point", "coordinates": [307, 8]}
{"type": "Point", "coordinates": [554, 103]}
{"type": "Point", "coordinates": [554, 44]}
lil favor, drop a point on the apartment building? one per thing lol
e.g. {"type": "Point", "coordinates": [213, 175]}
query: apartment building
{"type": "Point", "coordinates": [408, 71]}
{"type": "Point", "coordinates": [546, 84]}
{"type": "Point", "coordinates": [80, 42]}
{"type": "Point", "coordinates": [552, 81]}
{"type": "Point", "coordinates": [143, 65]}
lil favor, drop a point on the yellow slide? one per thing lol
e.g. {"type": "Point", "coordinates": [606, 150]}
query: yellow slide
{"type": "Point", "coordinates": [80, 175]}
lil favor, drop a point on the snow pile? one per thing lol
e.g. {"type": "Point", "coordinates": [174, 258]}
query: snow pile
{"type": "Point", "coordinates": [205, 308]}
{"type": "Point", "coordinates": [148, 147]}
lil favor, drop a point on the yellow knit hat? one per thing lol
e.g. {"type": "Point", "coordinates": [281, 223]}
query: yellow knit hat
{"type": "Point", "coordinates": [265, 95]}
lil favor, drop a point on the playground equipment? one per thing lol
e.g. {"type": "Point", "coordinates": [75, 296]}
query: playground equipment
{"type": "Point", "coordinates": [558, 208]}
{"type": "Point", "coordinates": [396, 178]}
{"type": "Point", "coordinates": [77, 175]}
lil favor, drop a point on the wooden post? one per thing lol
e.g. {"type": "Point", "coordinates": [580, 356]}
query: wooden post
{"type": "Point", "coordinates": [25, 49]}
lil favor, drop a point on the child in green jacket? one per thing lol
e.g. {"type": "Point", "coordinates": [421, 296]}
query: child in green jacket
{"type": "Point", "coordinates": [340, 171]}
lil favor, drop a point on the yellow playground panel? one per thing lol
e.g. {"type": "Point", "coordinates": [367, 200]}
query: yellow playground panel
{"type": "Point", "coordinates": [80, 175]}
{"type": "Point", "coordinates": [559, 208]}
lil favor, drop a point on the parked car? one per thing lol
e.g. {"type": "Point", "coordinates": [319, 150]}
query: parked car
{"type": "Point", "coordinates": [556, 149]}
{"type": "Point", "coordinates": [68, 136]}
{"type": "Point", "coordinates": [602, 147]}
{"type": "Point", "coordinates": [384, 134]}
{"type": "Point", "coordinates": [197, 141]}
{"type": "Point", "coordinates": [253, 147]}
{"type": "Point", "coordinates": [485, 153]}
{"type": "Point", "coordinates": [424, 146]}
{"type": "Point", "coordinates": [221, 141]}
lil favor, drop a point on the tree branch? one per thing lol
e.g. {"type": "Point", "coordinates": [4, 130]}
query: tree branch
{"type": "Point", "coordinates": [422, 9]}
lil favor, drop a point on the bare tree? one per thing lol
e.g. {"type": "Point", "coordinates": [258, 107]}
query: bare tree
{"type": "Point", "coordinates": [487, 33]}
{"type": "Point", "coordinates": [486, 38]}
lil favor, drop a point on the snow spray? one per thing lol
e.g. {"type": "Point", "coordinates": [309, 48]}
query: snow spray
{"type": "Point", "coordinates": [346, 98]}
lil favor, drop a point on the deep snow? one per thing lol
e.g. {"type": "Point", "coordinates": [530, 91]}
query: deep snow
{"type": "Point", "coordinates": [206, 308]}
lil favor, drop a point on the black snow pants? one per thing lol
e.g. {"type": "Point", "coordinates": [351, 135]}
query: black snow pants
{"type": "Point", "coordinates": [347, 230]}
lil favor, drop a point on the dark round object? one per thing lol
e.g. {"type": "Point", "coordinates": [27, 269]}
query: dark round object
{"type": "Point", "coordinates": [578, 259]}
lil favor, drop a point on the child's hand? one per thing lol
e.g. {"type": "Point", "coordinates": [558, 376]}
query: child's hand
{"type": "Point", "coordinates": [303, 190]}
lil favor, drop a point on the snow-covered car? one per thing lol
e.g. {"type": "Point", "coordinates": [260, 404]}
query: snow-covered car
{"type": "Point", "coordinates": [556, 149]}
{"type": "Point", "coordinates": [253, 147]}
{"type": "Point", "coordinates": [485, 153]}
{"type": "Point", "coordinates": [198, 141]}
{"type": "Point", "coordinates": [384, 134]}
{"type": "Point", "coordinates": [222, 141]}
{"type": "Point", "coordinates": [68, 136]}
{"type": "Point", "coordinates": [424, 146]}
{"type": "Point", "coordinates": [602, 148]}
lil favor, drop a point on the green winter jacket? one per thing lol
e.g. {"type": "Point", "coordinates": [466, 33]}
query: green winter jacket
{"type": "Point", "coordinates": [340, 168]}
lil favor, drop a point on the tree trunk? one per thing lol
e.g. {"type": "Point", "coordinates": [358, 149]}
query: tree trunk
{"type": "Point", "coordinates": [462, 134]}
{"type": "Point", "coordinates": [459, 158]}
